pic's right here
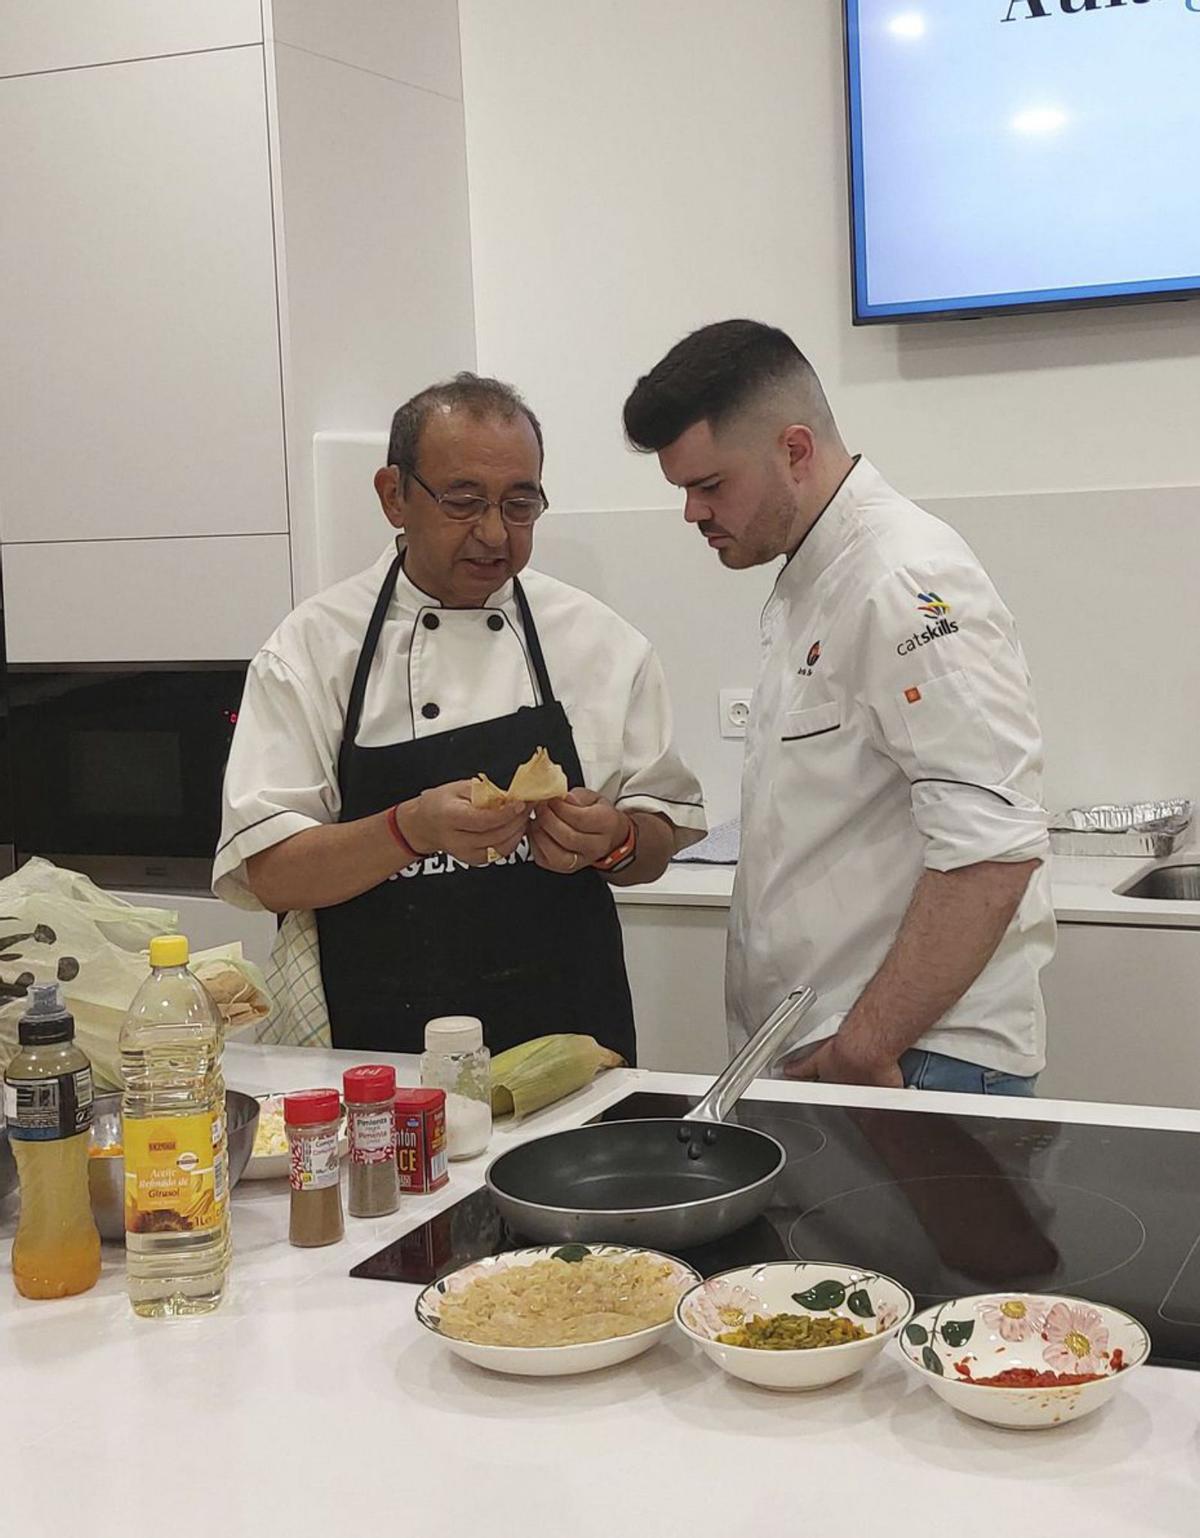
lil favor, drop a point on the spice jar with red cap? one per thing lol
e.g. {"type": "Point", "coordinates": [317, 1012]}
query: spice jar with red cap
{"type": "Point", "coordinates": [312, 1119]}
{"type": "Point", "coordinates": [374, 1181]}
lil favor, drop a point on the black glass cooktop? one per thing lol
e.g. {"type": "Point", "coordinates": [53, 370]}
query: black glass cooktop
{"type": "Point", "coordinates": [948, 1205]}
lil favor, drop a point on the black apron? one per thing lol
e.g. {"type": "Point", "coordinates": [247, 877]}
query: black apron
{"type": "Point", "coordinates": [527, 951]}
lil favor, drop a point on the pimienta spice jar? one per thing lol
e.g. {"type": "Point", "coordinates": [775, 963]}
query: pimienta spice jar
{"type": "Point", "coordinates": [374, 1183]}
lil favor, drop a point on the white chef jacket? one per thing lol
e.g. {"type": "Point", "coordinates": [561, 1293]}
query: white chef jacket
{"type": "Point", "coordinates": [893, 731]}
{"type": "Point", "coordinates": [282, 772]}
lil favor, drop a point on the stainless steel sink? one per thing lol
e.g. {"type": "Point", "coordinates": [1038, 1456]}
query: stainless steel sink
{"type": "Point", "coordinates": [1169, 883]}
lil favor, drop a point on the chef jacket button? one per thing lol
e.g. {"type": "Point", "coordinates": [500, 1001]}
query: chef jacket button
{"type": "Point", "coordinates": [431, 621]}
{"type": "Point", "coordinates": [495, 622]}
{"type": "Point", "coordinates": [431, 711]}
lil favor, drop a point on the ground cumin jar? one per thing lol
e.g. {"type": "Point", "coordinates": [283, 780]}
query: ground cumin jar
{"type": "Point", "coordinates": [312, 1119]}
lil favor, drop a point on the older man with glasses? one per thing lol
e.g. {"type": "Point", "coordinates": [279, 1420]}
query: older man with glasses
{"type": "Point", "coordinates": [369, 711]}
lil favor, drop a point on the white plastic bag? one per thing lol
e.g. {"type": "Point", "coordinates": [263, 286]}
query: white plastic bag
{"type": "Point", "coordinates": [57, 926]}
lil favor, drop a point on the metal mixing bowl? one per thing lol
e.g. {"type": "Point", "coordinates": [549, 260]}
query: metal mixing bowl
{"type": "Point", "coordinates": [106, 1177]}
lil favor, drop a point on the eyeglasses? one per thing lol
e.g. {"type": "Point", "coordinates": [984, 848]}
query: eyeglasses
{"type": "Point", "coordinates": [462, 507]}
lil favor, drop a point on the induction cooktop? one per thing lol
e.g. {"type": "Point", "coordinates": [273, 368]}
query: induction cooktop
{"type": "Point", "coordinates": [948, 1205]}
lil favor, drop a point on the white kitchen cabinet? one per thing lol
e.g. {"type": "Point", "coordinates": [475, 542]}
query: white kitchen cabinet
{"type": "Point", "coordinates": [1123, 1015]}
{"type": "Point", "coordinates": [675, 957]}
{"type": "Point", "coordinates": [141, 390]}
{"type": "Point", "coordinates": [145, 600]}
{"type": "Point", "coordinates": [372, 186]}
{"type": "Point", "coordinates": [411, 41]}
{"type": "Point", "coordinates": [67, 34]}
{"type": "Point", "coordinates": [1122, 1003]}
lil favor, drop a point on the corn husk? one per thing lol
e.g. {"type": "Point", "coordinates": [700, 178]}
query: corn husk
{"type": "Point", "coordinates": [539, 778]}
{"type": "Point", "coordinates": [539, 1072]}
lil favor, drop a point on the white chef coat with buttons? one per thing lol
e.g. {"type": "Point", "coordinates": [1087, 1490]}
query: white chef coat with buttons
{"type": "Point", "coordinates": [436, 669]}
{"type": "Point", "coordinates": [893, 731]}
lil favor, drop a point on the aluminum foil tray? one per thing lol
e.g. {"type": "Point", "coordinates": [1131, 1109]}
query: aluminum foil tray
{"type": "Point", "coordinates": [1140, 828]}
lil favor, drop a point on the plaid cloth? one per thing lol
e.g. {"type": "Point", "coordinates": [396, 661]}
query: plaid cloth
{"type": "Point", "coordinates": [299, 1016]}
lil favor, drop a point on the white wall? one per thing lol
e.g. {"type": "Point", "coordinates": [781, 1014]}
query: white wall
{"type": "Point", "coordinates": [684, 161]}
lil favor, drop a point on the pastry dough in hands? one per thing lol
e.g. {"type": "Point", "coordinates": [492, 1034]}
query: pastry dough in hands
{"type": "Point", "coordinates": [538, 779]}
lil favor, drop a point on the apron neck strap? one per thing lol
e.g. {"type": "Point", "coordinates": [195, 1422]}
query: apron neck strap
{"type": "Point", "coordinates": [533, 641]}
{"type": "Point", "coordinates": [358, 689]}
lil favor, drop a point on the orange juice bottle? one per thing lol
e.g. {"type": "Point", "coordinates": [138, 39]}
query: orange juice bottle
{"type": "Point", "coordinates": [48, 1107]}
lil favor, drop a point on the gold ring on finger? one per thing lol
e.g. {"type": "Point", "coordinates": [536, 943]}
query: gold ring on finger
{"type": "Point", "coordinates": [574, 862]}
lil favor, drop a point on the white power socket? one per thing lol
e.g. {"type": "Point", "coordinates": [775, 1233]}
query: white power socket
{"type": "Point", "coordinates": [735, 711]}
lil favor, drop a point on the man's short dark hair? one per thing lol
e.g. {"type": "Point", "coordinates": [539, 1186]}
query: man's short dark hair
{"type": "Point", "coordinates": [711, 376]}
{"type": "Point", "coordinates": [479, 396]}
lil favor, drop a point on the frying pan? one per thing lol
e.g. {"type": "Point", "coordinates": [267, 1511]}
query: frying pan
{"type": "Point", "coordinates": [656, 1183]}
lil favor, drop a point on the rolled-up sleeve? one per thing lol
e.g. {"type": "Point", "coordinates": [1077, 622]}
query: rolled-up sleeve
{"type": "Point", "coordinates": [654, 778]}
{"type": "Point", "coordinates": [946, 695]}
{"type": "Point", "coordinates": [281, 776]}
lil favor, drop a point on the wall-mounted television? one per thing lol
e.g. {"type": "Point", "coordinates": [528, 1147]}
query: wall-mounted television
{"type": "Point", "coordinates": [1010, 155]}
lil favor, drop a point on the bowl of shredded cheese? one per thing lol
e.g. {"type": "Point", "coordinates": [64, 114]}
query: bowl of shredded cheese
{"type": "Point", "coordinates": [269, 1157]}
{"type": "Point", "coordinates": [550, 1311]}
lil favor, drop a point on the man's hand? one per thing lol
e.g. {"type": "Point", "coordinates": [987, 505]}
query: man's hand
{"type": "Point", "coordinates": [833, 1063]}
{"type": "Point", "coordinates": [575, 831]}
{"type": "Point", "coordinates": [443, 818]}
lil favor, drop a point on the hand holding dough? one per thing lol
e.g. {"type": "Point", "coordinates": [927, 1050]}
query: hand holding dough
{"type": "Point", "coordinates": [538, 779]}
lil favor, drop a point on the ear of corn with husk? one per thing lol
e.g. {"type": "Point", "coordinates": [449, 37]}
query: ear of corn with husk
{"type": "Point", "coordinates": [539, 1072]}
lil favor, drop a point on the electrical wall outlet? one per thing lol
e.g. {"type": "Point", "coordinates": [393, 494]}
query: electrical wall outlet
{"type": "Point", "coordinates": [735, 711]}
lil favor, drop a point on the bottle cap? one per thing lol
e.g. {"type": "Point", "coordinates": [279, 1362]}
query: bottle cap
{"type": "Point", "coordinates": [371, 1082]}
{"type": "Point", "coordinates": [307, 1107]}
{"type": "Point", "coordinates": [454, 1033]}
{"type": "Point", "coordinates": [408, 1101]}
{"type": "Point", "coordinates": [169, 951]}
{"type": "Point", "coordinates": [46, 1019]}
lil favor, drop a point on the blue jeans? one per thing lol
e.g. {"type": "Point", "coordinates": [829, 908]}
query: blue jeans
{"type": "Point", "coordinates": [932, 1070]}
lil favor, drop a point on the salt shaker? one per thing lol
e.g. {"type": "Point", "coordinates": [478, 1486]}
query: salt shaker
{"type": "Point", "coordinates": [456, 1060]}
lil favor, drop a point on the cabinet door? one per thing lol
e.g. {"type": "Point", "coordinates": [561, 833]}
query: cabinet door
{"type": "Point", "coordinates": [675, 958]}
{"type": "Point", "coordinates": [145, 600]}
{"type": "Point", "coordinates": [1123, 1015]}
{"type": "Point", "coordinates": [67, 34]}
{"type": "Point", "coordinates": [141, 392]}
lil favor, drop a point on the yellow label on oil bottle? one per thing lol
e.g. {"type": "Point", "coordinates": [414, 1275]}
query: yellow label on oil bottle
{"type": "Point", "coordinates": [174, 1174]}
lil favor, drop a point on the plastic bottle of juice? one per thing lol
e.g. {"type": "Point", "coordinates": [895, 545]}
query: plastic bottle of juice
{"type": "Point", "coordinates": [48, 1107]}
{"type": "Point", "coordinates": [177, 1245]}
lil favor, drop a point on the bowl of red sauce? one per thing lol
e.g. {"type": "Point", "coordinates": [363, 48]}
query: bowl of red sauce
{"type": "Point", "coordinates": [1025, 1360]}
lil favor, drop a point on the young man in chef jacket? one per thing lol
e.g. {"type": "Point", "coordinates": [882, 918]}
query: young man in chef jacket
{"type": "Point", "coordinates": [347, 802]}
{"type": "Point", "coordinates": [893, 841]}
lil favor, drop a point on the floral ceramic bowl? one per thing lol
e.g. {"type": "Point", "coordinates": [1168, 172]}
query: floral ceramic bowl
{"type": "Point", "coordinates": [548, 1361]}
{"type": "Point", "coordinates": [814, 1289]}
{"type": "Point", "coordinates": [1027, 1341]}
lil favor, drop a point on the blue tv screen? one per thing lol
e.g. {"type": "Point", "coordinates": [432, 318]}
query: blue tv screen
{"type": "Point", "coordinates": [1013, 154]}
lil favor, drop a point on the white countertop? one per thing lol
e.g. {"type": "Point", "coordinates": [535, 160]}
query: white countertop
{"type": "Point", "coordinates": [314, 1404]}
{"type": "Point", "coordinates": [1083, 889]}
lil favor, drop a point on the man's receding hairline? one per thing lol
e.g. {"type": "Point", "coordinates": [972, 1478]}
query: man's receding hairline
{"type": "Point", "coordinates": [477, 411]}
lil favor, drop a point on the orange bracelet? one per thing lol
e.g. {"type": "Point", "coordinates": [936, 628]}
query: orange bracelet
{"type": "Point", "coordinates": [394, 830]}
{"type": "Point", "coordinates": [623, 855]}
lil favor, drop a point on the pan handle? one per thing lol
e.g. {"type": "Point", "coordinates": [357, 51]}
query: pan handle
{"type": "Point", "coordinates": [753, 1057]}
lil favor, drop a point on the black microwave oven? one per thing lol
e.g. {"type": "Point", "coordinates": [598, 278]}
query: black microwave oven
{"type": "Point", "coordinates": [116, 769]}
